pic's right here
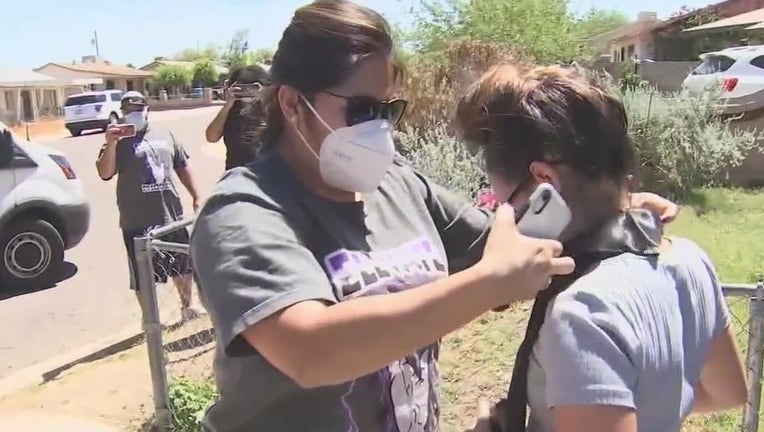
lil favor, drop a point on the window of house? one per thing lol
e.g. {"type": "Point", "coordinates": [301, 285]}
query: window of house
{"type": "Point", "coordinates": [630, 50]}
{"type": "Point", "coordinates": [129, 84]}
{"type": "Point", "coordinates": [714, 64]}
{"type": "Point", "coordinates": [110, 85]}
{"type": "Point", "coordinates": [758, 62]}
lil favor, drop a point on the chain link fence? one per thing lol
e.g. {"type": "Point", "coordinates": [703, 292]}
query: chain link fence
{"type": "Point", "coordinates": [179, 335]}
{"type": "Point", "coordinates": [181, 345]}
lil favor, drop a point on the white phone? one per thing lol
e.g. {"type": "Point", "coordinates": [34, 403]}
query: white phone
{"type": "Point", "coordinates": [545, 216]}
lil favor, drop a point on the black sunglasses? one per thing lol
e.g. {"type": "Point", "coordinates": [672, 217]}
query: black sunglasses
{"type": "Point", "coordinates": [361, 109]}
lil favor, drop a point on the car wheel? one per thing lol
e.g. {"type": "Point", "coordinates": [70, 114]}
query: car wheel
{"type": "Point", "coordinates": [75, 132]}
{"type": "Point", "coordinates": [32, 255]}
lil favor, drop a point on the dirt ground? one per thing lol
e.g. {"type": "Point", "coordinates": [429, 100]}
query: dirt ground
{"type": "Point", "coordinates": [116, 390]}
{"type": "Point", "coordinates": [44, 129]}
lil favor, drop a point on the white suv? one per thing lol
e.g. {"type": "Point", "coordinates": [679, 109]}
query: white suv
{"type": "Point", "coordinates": [43, 212]}
{"type": "Point", "coordinates": [92, 110]}
{"type": "Point", "coordinates": [737, 72]}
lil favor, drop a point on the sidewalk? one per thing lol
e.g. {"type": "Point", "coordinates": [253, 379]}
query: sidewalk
{"type": "Point", "coordinates": [109, 395]}
{"type": "Point", "coordinates": [113, 391]}
{"type": "Point", "coordinates": [34, 422]}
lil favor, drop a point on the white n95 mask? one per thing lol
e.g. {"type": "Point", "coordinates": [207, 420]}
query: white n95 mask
{"type": "Point", "coordinates": [355, 158]}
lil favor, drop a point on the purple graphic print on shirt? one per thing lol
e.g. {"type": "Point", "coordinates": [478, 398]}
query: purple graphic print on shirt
{"type": "Point", "coordinates": [407, 387]}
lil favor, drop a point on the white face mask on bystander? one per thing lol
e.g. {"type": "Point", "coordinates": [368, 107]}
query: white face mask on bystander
{"type": "Point", "coordinates": [137, 118]}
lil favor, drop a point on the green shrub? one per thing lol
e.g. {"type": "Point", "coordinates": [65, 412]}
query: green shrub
{"type": "Point", "coordinates": [436, 152]}
{"type": "Point", "coordinates": [189, 400]}
{"type": "Point", "coordinates": [682, 141]}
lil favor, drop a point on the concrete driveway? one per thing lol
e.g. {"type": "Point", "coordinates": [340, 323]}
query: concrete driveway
{"type": "Point", "coordinates": [94, 301]}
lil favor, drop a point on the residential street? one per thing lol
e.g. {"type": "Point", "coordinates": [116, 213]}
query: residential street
{"type": "Point", "coordinates": [95, 302]}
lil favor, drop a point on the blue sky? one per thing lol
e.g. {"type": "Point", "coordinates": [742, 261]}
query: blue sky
{"type": "Point", "coordinates": [36, 32]}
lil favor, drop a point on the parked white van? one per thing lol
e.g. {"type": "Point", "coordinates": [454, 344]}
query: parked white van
{"type": "Point", "coordinates": [92, 110]}
{"type": "Point", "coordinates": [43, 212]}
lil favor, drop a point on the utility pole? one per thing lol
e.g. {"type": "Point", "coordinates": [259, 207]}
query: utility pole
{"type": "Point", "coordinates": [94, 41]}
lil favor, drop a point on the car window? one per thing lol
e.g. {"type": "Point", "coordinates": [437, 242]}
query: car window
{"type": "Point", "coordinates": [116, 97]}
{"type": "Point", "coordinates": [758, 62]}
{"type": "Point", "coordinates": [714, 64]}
{"type": "Point", "coordinates": [85, 99]}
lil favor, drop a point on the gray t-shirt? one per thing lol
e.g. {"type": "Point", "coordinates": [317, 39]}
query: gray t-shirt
{"type": "Point", "coordinates": [632, 333]}
{"type": "Point", "coordinates": [146, 191]}
{"type": "Point", "coordinates": [263, 242]}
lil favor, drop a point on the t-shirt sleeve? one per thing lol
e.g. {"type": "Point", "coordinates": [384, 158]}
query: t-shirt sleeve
{"type": "Point", "coordinates": [250, 264]}
{"type": "Point", "coordinates": [180, 157]}
{"type": "Point", "coordinates": [463, 227]}
{"type": "Point", "coordinates": [719, 305]}
{"type": "Point", "coordinates": [584, 355]}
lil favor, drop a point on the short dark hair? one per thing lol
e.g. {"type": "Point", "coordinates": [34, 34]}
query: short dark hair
{"type": "Point", "coordinates": [249, 74]}
{"type": "Point", "coordinates": [556, 114]}
{"type": "Point", "coordinates": [322, 45]}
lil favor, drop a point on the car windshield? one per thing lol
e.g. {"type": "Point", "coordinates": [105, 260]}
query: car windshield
{"type": "Point", "coordinates": [85, 99]}
{"type": "Point", "coordinates": [714, 64]}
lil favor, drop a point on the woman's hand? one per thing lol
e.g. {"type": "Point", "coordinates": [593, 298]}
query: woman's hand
{"type": "Point", "coordinates": [666, 209]}
{"type": "Point", "coordinates": [517, 267]}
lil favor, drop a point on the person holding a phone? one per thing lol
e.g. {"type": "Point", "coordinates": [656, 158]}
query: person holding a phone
{"type": "Point", "coordinates": [330, 268]}
{"type": "Point", "coordinates": [233, 122]}
{"type": "Point", "coordinates": [144, 159]}
{"type": "Point", "coordinates": [638, 341]}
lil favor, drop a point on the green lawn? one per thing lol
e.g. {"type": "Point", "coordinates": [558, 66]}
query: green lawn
{"type": "Point", "coordinates": [728, 224]}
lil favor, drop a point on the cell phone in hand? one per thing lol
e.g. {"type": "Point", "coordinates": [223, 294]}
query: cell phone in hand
{"type": "Point", "coordinates": [126, 130]}
{"type": "Point", "coordinates": [545, 216]}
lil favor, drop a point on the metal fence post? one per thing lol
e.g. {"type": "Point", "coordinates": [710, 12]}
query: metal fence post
{"type": "Point", "coordinates": [153, 329]}
{"type": "Point", "coordinates": [754, 360]}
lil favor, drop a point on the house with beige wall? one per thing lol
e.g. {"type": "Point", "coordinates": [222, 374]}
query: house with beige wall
{"type": "Point", "coordinates": [164, 61]}
{"type": "Point", "coordinates": [632, 41]}
{"type": "Point", "coordinates": [112, 76]}
{"type": "Point", "coordinates": [28, 96]}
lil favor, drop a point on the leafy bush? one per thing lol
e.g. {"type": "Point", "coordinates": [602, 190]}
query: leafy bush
{"type": "Point", "coordinates": [189, 400]}
{"type": "Point", "coordinates": [432, 87]}
{"type": "Point", "coordinates": [173, 77]}
{"type": "Point", "coordinates": [204, 73]}
{"type": "Point", "coordinates": [436, 152]}
{"type": "Point", "coordinates": [683, 142]}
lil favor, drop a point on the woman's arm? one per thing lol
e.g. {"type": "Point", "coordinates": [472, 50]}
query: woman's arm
{"type": "Point", "coordinates": [334, 344]}
{"type": "Point", "coordinates": [216, 127]}
{"type": "Point", "coordinates": [266, 292]}
{"type": "Point", "coordinates": [722, 384]}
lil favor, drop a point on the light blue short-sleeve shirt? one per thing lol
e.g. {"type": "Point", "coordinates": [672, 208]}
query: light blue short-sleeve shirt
{"type": "Point", "coordinates": [634, 333]}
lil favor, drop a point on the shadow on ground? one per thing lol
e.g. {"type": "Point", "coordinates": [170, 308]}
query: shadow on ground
{"type": "Point", "coordinates": [98, 355]}
{"type": "Point", "coordinates": [68, 270]}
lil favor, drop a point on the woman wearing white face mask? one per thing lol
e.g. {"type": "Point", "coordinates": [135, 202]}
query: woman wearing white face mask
{"type": "Point", "coordinates": [328, 268]}
{"type": "Point", "coordinates": [232, 122]}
